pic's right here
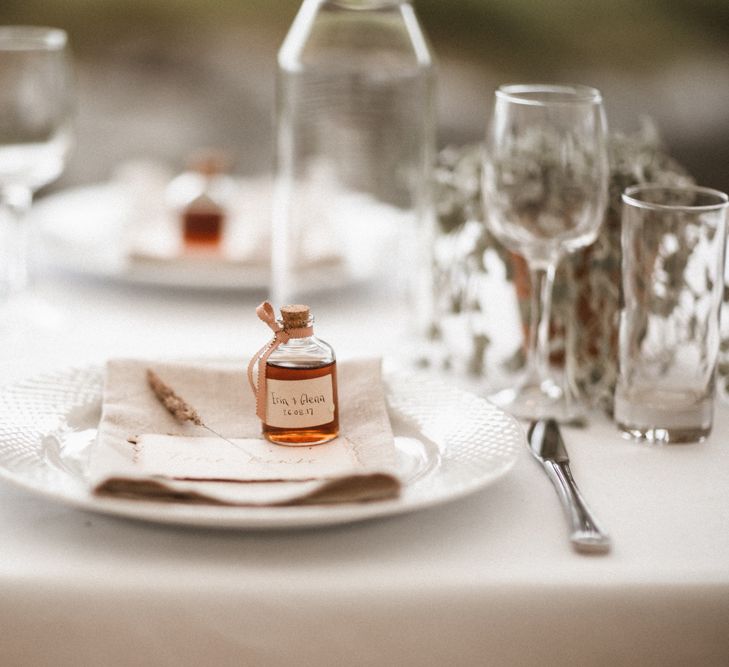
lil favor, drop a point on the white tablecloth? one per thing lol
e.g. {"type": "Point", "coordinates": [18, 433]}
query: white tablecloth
{"type": "Point", "coordinates": [488, 580]}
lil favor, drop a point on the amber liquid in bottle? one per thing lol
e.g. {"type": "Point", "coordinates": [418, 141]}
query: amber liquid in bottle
{"type": "Point", "coordinates": [303, 435]}
{"type": "Point", "coordinates": [202, 228]}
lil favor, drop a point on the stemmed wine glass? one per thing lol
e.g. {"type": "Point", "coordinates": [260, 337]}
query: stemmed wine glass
{"type": "Point", "coordinates": [36, 110]}
{"type": "Point", "coordinates": [545, 191]}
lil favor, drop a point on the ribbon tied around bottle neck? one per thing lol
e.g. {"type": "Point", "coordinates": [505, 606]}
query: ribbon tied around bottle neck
{"type": "Point", "coordinates": [281, 335]}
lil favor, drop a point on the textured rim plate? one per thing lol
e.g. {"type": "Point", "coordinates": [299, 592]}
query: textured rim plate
{"type": "Point", "coordinates": [450, 444]}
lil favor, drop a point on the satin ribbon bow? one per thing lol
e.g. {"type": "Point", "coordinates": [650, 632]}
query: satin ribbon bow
{"type": "Point", "coordinates": [281, 335]}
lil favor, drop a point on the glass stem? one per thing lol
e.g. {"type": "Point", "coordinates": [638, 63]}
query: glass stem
{"type": "Point", "coordinates": [14, 239]}
{"type": "Point", "coordinates": [542, 281]}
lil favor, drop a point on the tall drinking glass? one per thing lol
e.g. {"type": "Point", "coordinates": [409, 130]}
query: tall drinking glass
{"type": "Point", "coordinates": [673, 243]}
{"type": "Point", "coordinates": [36, 108]}
{"type": "Point", "coordinates": [545, 192]}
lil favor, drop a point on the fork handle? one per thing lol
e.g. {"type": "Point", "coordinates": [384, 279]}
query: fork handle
{"type": "Point", "coordinates": [585, 533]}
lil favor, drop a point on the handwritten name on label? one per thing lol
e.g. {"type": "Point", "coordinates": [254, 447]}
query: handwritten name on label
{"type": "Point", "coordinates": [299, 403]}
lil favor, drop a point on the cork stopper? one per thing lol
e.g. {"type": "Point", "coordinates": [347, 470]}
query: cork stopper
{"type": "Point", "coordinates": [295, 316]}
{"type": "Point", "coordinates": [209, 162]}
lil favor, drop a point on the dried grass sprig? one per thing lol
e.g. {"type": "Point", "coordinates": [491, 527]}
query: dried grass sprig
{"type": "Point", "coordinates": [177, 406]}
{"type": "Point", "coordinates": [183, 412]}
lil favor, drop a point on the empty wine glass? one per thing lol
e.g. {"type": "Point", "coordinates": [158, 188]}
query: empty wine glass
{"type": "Point", "coordinates": [545, 192]}
{"type": "Point", "coordinates": [36, 109]}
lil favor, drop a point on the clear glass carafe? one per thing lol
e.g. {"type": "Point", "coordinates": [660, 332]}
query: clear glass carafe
{"type": "Point", "coordinates": [355, 143]}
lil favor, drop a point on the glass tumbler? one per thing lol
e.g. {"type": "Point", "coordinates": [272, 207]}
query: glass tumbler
{"type": "Point", "coordinates": [673, 242]}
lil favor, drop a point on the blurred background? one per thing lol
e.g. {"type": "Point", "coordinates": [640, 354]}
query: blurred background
{"type": "Point", "coordinates": [160, 78]}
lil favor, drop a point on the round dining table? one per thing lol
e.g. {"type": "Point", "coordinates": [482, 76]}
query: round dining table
{"type": "Point", "coordinates": [487, 579]}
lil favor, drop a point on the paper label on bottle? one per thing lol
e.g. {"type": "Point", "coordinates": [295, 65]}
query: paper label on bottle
{"type": "Point", "coordinates": [299, 403]}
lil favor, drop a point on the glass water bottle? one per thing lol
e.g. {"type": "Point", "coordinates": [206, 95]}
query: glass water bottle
{"type": "Point", "coordinates": [355, 143]}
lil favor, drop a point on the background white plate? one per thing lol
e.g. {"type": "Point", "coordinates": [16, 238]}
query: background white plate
{"type": "Point", "coordinates": [98, 230]}
{"type": "Point", "coordinates": [450, 443]}
{"type": "Point", "coordinates": [88, 231]}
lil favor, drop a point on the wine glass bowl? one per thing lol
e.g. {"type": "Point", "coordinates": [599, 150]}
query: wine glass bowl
{"type": "Point", "coordinates": [545, 191]}
{"type": "Point", "coordinates": [36, 111]}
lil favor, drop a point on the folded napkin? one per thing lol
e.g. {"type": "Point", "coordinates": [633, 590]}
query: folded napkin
{"type": "Point", "coordinates": [142, 451]}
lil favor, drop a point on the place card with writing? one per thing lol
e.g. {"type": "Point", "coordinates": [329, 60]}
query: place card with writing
{"type": "Point", "coordinates": [239, 459]}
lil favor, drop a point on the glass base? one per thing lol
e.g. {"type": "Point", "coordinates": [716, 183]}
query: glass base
{"type": "Point", "coordinates": [664, 415]}
{"type": "Point", "coordinates": [665, 435]}
{"type": "Point", "coordinates": [543, 400]}
{"type": "Point", "coordinates": [305, 437]}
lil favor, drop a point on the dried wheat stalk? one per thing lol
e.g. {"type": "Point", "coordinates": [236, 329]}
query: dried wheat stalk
{"type": "Point", "coordinates": [182, 411]}
{"type": "Point", "coordinates": [177, 406]}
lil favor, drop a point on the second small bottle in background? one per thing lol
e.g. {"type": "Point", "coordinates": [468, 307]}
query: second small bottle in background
{"type": "Point", "coordinates": [201, 197]}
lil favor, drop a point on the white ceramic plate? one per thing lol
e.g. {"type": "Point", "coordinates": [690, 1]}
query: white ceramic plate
{"type": "Point", "coordinates": [90, 230]}
{"type": "Point", "coordinates": [97, 231]}
{"type": "Point", "coordinates": [450, 443]}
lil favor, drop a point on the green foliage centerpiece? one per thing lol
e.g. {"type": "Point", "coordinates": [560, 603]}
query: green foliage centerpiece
{"type": "Point", "coordinates": [587, 292]}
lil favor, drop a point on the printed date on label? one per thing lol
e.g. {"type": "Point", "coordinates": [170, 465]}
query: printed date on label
{"type": "Point", "coordinates": [301, 412]}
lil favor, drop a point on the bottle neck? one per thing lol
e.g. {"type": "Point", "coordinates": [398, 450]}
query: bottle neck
{"type": "Point", "coordinates": [367, 4]}
{"type": "Point", "coordinates": [300, 340]}
{"type": "Point", "coordinates": [297, 328]}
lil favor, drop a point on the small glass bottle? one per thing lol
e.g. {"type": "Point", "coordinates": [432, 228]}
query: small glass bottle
{"type": "Point", "coordinates": [201, 198]}
{"type": "Point", "coordinates": [301, 385]}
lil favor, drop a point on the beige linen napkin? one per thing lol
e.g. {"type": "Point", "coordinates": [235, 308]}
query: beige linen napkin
{"type": "Point", "coordinates": [143, 452]}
